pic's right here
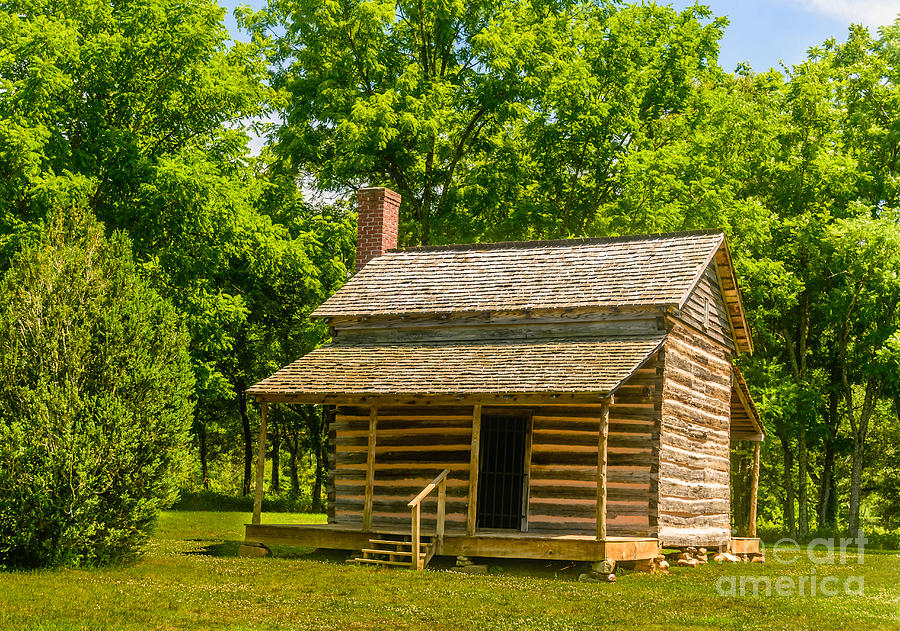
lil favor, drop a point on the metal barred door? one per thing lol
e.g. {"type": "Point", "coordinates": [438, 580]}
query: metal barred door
{"type": "Point", "coordinates": [501, 477]}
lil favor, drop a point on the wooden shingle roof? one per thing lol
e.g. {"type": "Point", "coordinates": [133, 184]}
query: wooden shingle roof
{"type": "Point", "coordinates": [648, 270]}
{"type": "Point", "coordinates": [595, 366]}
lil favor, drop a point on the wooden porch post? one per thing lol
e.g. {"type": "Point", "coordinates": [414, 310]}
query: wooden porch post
{"type": "Point", "coordinates": [260, 463]}
{"type": "Point", "coordinates": [754, 490]}
{"type": "Point", "coordinates": [601, 470]}
{"type": "Point", "coordinates": [473, 471]}
{"type": "Point", "coordinates": [370, 469]}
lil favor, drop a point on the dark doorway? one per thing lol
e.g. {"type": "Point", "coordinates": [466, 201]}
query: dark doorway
{"type": "Point", "coordinates": [501, 476]}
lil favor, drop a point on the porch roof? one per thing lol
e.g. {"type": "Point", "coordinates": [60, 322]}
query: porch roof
{"type": "Point", "coordinates": [587, 365]}
{"type": "Point", "coordinates": [745, 421]}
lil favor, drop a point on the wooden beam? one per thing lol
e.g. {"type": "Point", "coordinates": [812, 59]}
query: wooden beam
{"type": "Point", "coordinates": [370, 469]}
{"type": "Point", "coordinates": [388, 399]}
{"type": "Point", "coordinates": [474, 463]}
{"type": "Point", "coordinates": [526, 492]}
{"type": "Point", "coordinates": [260, 463]}
{"type": "Point", "coordinates": [415, 536]}
{"type": "Point", "coordinates": [602, 445]}
{"type": "Point", "coordinates": [754, 490]}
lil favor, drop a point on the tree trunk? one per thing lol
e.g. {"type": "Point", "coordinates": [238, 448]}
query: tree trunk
{"type": "Point", "coordinates": [827, 505]}
{"type": "Point", "coordinates": [802, 489]}
{"type": "Point", "coordinates": [855, 486]}
{"type": "Point", "coordinates": [275, 485]}
{"type": "Point", "coordinates": [790, 524]}
{"type": "Point", "coordinates": [292, 442]}
{"type": "Point", "coordinates": [204, 465]}
{"type": "Point", "coordinates": [318, 416]}
{"type": "Point", "coordinates": [740, 490]}
{"type": "Point", "coordinates": [248, 436]}
{"type": "Point", "coordinates": [295, 475]}
{"type": "Point", "coordinates": [827, 499]}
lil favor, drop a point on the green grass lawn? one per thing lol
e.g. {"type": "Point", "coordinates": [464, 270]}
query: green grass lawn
{"type": "Point", "coordinates": [191, 578]}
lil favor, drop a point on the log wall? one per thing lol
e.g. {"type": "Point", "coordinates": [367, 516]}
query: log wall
{"type": "Point", "coordinates": [694, 496]}
{"type": "Point", "coordinates": [564, 462]}
{"type": "Point", "coordinates": [414, 443]}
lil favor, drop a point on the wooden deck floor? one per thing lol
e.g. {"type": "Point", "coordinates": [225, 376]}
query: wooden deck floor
{"type": "Point", "coordinates": [485, 543]}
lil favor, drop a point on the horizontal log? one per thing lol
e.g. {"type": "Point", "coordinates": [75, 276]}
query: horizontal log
{"type": "Point", "coordinates": [669, 487]}
{"type": "Point", "coordinates": [589, 439]}
{"type": "Point", "coordinates": [589, 473]}
{"type": "Point", "coordinates": [613, 493]}
{"type": "Point", "coordinates": [693, 474]}
{"type": "Point", "coordinates": [697, 443]}
{"type": "Point", "coordinates": [585, 459]}
{"type": "Point", "coordinates": [689, 507]}
{"type": "Point", "coordinates": [403, 476]}
{"type": "Point", "coordinates": [438, 457]}
{"type": "Point", "coordinates": [677, 409]}
{"type": "Point", "coordinates": [692, 460]}
{"type": "Point", "coordinates": [695, 521]}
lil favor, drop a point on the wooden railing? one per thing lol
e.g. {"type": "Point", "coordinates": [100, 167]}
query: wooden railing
{"type": "Point", "coordinates": [415, 506]}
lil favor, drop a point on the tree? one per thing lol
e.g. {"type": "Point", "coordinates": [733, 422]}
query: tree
{"type": "Point", "coordinates": [96, 399]}
{"type": "Point", "coordinates": [493, 120]}
{"type": "Point", "coordinates": [867, 253]}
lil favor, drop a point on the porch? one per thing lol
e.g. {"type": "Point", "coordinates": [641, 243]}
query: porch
{"type": "Point", "coordinates": [484, 543]}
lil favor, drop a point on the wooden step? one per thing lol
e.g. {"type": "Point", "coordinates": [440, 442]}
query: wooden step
{"type": "Point", "coordinates": [407, 544]}
{"type": "Point", "coordinates": [405, 553]}
{"type": "Point", "coordinates": [380, 562]}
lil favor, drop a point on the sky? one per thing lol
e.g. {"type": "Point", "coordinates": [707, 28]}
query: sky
{"type": "Point", "coordinates": [763, 33]}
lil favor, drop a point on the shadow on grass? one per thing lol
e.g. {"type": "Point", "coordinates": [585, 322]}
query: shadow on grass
{"type": "Point", "coordinates": [231, 548]}
{"type": "Point", "coordinates": [216, 548]}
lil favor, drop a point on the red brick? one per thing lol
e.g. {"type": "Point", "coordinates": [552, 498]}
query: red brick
{"type": "Point", "coordinates": [377, 224]}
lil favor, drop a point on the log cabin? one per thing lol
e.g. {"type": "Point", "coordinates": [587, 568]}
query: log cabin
{"type": "Point", "coordinates": [573, 399]}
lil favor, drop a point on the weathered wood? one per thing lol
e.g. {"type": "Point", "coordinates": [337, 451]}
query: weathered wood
{"type": "Point", "coordinates": [548, 398]}
{"type": "Point", "coordinates": [562, 546]}
{"type": "Point", "coordinates": [342, 324]}
{"type": "Point", "coordinates": [441, 480]}
{"type": "Point", "coordinates": [562, 454]}
{"type": "Point", "coordinates": [526, 494]}
{"type": "Point", "coordinates": [416, 533]}
{"type": "Point", "coordinates": [530, 330]}
{"type": "Point", "coordinates": [754, 489]}
{"type": "Point", "coordinates": [694, 450]}
{"type": "Point", "coordinates": [330, 469]}
{"type": "Point", "coordinates": [705, 310]}
{"type": "Point", "coordinates": [601, 471]}
{"type": "Point", "coordinates": [474, 464]}
{"type": "Point", "coordinates": [370, 468]}
{"type": "Point", "coordinates": [745, 545]}
{"type": "Point", "coordinates": [260, 464]}
{"type": "Point", "coordinates": [728, 283]}
{"type": "Point", "coordinates": [441, 514]}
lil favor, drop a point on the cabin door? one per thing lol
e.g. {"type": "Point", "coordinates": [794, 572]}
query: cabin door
{"type": "Point", "coordinates": [502, 491]}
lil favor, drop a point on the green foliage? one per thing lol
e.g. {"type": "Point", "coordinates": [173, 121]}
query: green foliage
{"type": "Point", "coordinates": [219, 502]}
{"type": "Point", "coordinates": [96, 397]}
{"type": "Point", "coordinates": [493, 120]}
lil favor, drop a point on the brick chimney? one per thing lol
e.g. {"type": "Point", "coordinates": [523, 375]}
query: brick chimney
{"type": "Point", "coordinates": [376, 233]}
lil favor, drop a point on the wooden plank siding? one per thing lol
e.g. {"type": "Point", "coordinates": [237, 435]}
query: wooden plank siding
{"type": "Point", "coordinates": [500, 326]}
{"type": "Point", "coordinates": [694, 313]}
{"type": "Point", "coordinates": [694, 495]}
